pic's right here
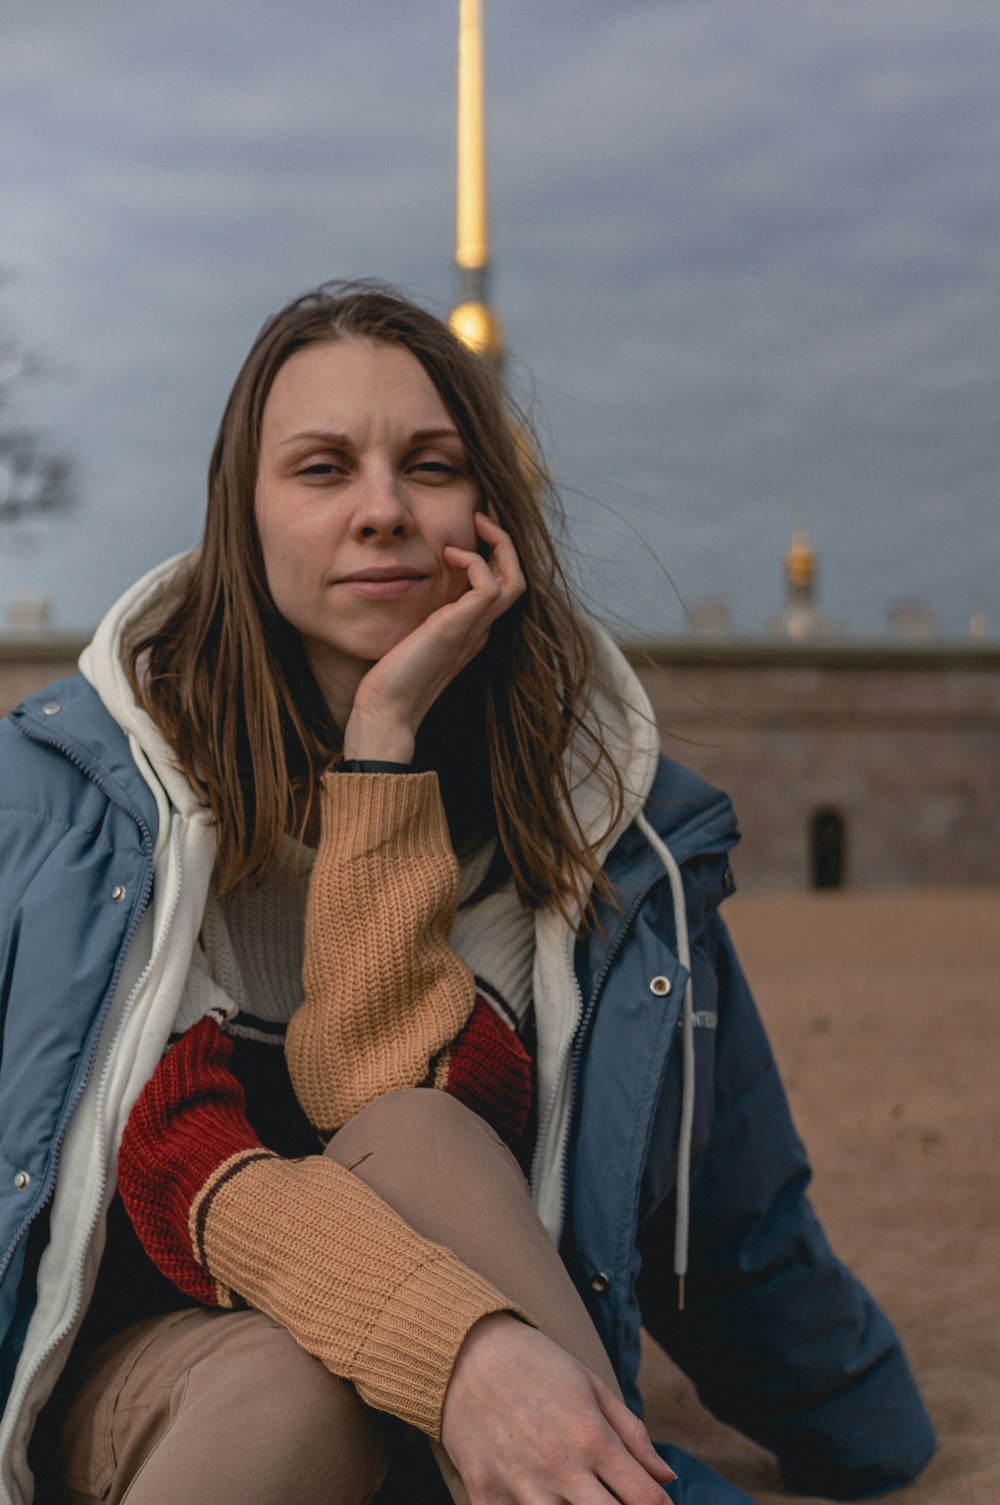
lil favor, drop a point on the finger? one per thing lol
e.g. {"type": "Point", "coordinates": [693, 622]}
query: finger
{"type": "Point", "coordinates": [491, 533]}
{"type": "Point", "coordinates": [632, 1433]}
{"type": "Point", "coordinates": [600, 1491]}
{"type": "Point", "coordinates": [486, 593]}
{"type": "Point", "coordinates": [616, 1472]}
{"type": "Point", "coordinates": [488, 520]}
{"type": "Point", "coordinates": [631, 1484]}
{"type": "Point", "coordinates": [506, 574]}
{"type": "Point", "coordinates": [464, 558]}
{"type": "Point", "coordinates": [481, 576]}
{"type": "Point", "coordinates": [502, 550]}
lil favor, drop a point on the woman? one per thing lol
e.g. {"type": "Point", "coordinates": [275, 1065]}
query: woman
{"type": "Point", "coordinates": [357, 779]}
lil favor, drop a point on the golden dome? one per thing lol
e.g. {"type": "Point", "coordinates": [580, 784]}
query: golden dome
{"type": "Point", "coordinates": [479, 328]}
{"type": "Point", "coordinates": [800, 561]}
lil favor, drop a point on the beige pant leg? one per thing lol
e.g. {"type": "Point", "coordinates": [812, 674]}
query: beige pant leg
{"type": "Point", "coordinates": [221, 1407]}
{"type": "Point", "coordinates": [225, 1407]}
{"type": "Point", "coordinates": [452, 1179]}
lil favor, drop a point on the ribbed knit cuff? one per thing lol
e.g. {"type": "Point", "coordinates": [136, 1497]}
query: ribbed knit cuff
{"type": "Point", "coordinates": [367, 811]}
{"type": "Point", "coordinates": [409, 1352]}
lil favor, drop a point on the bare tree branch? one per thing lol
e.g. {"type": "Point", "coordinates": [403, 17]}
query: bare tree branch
{"type": "Point", "coordinates": [35, 479]}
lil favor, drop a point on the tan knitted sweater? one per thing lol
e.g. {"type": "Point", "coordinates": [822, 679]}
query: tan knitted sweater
{"type": "Point", "coordinates": [306, 1241]}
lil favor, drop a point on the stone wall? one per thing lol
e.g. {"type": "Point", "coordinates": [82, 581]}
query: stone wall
{"type": "Point", "coordinates": [903, 745]}
{"type": "Point", "coordinates": [27, 664]}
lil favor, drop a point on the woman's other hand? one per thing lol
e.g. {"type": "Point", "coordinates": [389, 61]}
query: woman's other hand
{"type": "Point", "coordinates": [524, 1422]}
{"type": "Point", "coordinates": [397, 692]}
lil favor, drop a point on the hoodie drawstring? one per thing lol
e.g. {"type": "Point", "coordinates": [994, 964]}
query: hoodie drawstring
{"type": "Point", "coordinates": [683, 1219]}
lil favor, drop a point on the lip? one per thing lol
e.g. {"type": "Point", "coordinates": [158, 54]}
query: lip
{"type": "Point", "coordinates": [384, 582]}
{"type": "Point", "coordinates": [383, 572]}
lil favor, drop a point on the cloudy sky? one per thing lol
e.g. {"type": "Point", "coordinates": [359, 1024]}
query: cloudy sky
{"type": "Point", "coordinates": [746, 257]}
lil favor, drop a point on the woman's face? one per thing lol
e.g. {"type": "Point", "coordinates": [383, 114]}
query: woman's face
{"type": "Point", "coordinates": [363, 480]}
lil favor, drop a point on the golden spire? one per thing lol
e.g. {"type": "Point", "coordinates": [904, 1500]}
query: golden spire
{"type": "Point", "coordinates": [800, 567]}
{"type": "Point", "coordinates": [472, 319]}
{"type": "Point", "coordinates": [472, 234]}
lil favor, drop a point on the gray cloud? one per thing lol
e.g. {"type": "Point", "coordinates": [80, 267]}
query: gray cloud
{"type": "Point", "coordinates": [748, 255]}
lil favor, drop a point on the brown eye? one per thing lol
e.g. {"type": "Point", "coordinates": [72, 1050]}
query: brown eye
{"type": "Point", "coordinates": [436, 467]}
{"type": "Point", "coordinates": [434, 470]}
{"type": "Point", "coordinates": [326, 469]}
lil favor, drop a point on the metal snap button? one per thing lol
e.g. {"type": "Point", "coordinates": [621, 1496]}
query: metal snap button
{"type": "Point", "coordinates": [117, 894]}
{"type": "Point", "coordinates": [22, 1180]}
{"type": "Point", "coordinates": [660, 986]}
{"type": "Point", "coordinates": [51, 708]}
{"type": "Point", "coordinates": [600, 1283]}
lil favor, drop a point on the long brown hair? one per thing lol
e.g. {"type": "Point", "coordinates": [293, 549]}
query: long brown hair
{"type": "Point", "coordinates": [225, 677]}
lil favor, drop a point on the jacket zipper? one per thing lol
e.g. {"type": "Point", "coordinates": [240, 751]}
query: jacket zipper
{"type": "Point", "coordinates": [574, 1046]}
{"type": "Point", "coordinates": [545, 1117]}
{"type": "Point", "coordinates": [576, 1065]}
{"type": "Point", "coordinates": [138, 912]}
{"type": "Point", "coordinates": [617, 941]}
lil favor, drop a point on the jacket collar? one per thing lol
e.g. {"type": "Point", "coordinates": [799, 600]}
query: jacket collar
{"type": "Point", "coordinates": [69, 715]}
{"type": "Point", "coordinates": [696, 821]}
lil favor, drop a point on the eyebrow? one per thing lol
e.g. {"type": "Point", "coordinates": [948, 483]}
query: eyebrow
{"type": "Point", "coordinates": [342, 441]}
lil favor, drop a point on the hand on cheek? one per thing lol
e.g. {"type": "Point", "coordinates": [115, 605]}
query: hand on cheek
{"type": "Point", "coordinates": [395, 695]}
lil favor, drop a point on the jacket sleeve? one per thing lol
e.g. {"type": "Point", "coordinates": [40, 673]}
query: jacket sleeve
{"type": "Point", "coordinates": [388, 1004]}
{"type": "Point", "coordinates": [304, 1241]}
{"type": "Point", "coordinates": [780, 1339]}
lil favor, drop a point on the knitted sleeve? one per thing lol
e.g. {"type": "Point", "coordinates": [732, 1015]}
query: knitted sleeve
{"type": "Point", "coordinates": [388, 1004]}
{"type": "Point", "coordinates": [304, 1241]}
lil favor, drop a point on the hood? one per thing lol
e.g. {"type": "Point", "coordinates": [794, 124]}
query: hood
{"type": "Point", "coordinates": [101, 665]}
{"type": "Point", "coordinates": [621, 707]}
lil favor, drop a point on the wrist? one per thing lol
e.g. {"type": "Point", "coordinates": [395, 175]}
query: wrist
{"type": "Point", "coordinates": [372, 765]}
{"type": "Point", "coordinates": [478, 1341]}
{"type": "Point", "coordinates": [484, 1365]}
{"type": "Point", "coordinates": [377, 743]}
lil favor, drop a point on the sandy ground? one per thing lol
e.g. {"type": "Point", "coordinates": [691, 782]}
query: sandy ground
{"type": "Point", "coordinates": [884, 1011]}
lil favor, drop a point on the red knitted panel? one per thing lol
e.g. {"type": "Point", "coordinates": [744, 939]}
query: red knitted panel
{"type": "Point", "coordinates": [188, 1120]}
{"type": "Point", "coordinates": [490, 1072]}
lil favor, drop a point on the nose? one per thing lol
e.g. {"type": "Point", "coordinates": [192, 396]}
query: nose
{"type": "Point", "coordinates": [381, 510]}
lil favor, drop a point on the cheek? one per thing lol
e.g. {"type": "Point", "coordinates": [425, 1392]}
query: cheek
{"type": "Point", "coordinates": [272, 556]}
{"type": "Point", "coordinates": [283, 552]}
{"type": "Point", "coordinates": [461, 532]}
{"type": "Point", "coordinates": [283, 571]}
{"type": "Point", "coordinates": [263, 521]}
{"type": "Point", "coordinates": [462, 528]}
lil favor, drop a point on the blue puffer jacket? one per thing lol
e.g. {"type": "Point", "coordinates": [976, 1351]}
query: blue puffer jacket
{"type": "Point", "coordinates": [779, 1338]}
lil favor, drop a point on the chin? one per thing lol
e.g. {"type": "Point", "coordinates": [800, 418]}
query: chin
{"type": "Point", "coordinates": [372, 646]}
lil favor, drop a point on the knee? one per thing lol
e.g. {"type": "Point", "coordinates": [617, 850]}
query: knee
{"type": "Point", "coordinates": [297, 1421]}
{"type": "Point", "coordinates": [294, 1389]}
{"type": "Point", "coordinates": [415, 1115]}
